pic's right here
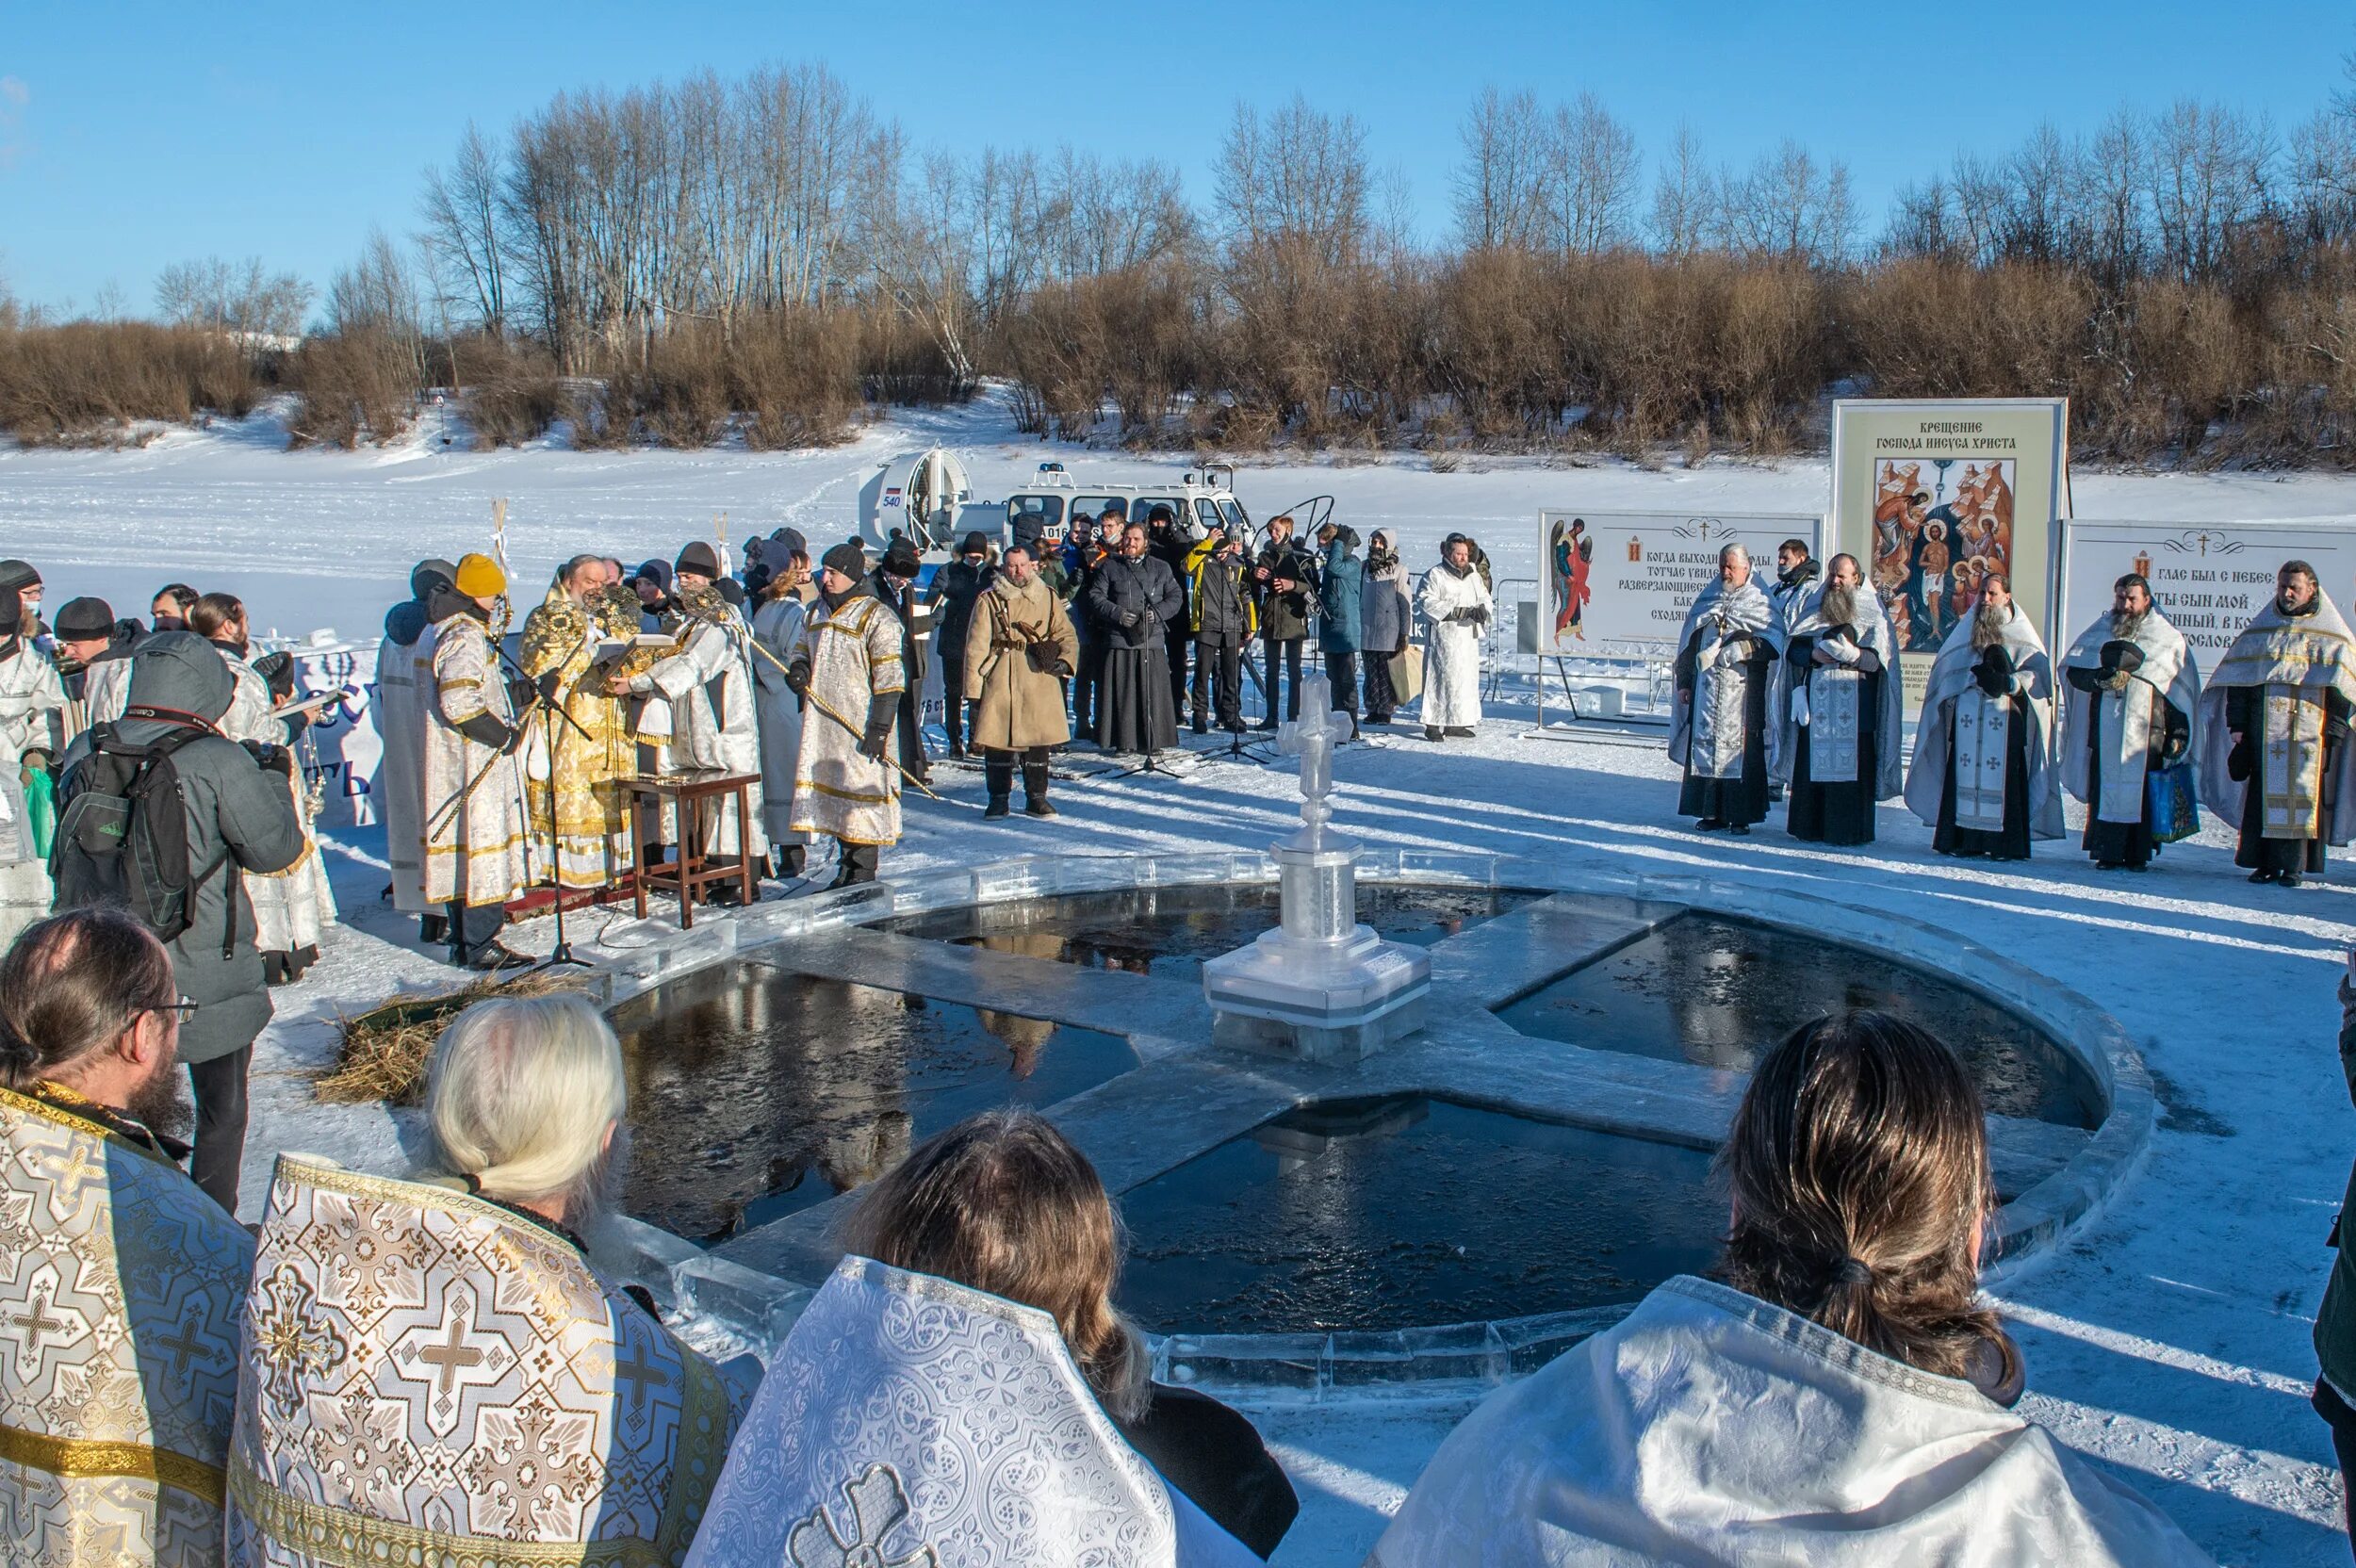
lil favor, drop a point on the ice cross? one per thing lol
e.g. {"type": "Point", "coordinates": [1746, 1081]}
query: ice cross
{"type": "Point", "coordinates": [1312, 740]}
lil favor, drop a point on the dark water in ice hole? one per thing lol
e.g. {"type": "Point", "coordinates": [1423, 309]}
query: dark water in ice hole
{"type": "Point", "coordinates": [1386, 1214]}
{"type": "Point", "coordinates": [755, 1093]}
{"type": "Point", "coordinates": [1719, 992]}
{"type": "Point", "coordinates": [1168, 932]}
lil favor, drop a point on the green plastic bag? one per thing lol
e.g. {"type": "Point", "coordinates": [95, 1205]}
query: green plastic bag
{"type": "Point", "coordinates": [40, 808]}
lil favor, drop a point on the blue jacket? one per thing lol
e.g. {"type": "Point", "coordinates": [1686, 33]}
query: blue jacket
{"type": "Point", "coordinates": [1344, 581]}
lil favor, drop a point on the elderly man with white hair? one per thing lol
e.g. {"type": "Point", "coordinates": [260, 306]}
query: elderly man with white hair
{"type": "Point", "coordinates": [1719, 735]}
{"type": "Point", "coordinates": [433, 1368]}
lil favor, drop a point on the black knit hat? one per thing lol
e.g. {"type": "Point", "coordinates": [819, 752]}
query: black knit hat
{"type": "Point", "coordinates": [82, 618]}
{"type": "Point", "coordinates": [17, 574]}
{"type": "Point", "coordinates": [656, 572]}
{"type": "Point", "coordinates": [848, 559]}
{"type": "Point", "coordinates": [699, 558]}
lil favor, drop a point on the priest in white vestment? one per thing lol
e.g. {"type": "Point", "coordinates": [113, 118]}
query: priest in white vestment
{"type": "Point", "coordinates": [1720, 735]}
{"type": "Point", "coordinates": [708, 685]}
{"type": "Point", "coordinates": [1457, 608]}
{"type": "Point", "coordinates": [125, 1281]}
{"type": "Point", "coordinates": [1983, 778]}
{"type": "Point", "coordinates": [473, 800]}
{"type": "Point", "coordinates": [776, 629]}
{"type": "Point", "coordinates": [2275, 759]}
{"type": "Point", "coordinates": [2131, 693]}
{"type": "Point", "coordinates": [1841, 720]}
{"type": "Point", "coordinates": [848, 667]}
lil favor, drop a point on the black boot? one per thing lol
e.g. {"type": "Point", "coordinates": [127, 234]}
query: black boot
{"type": "Point", "coordinates": [862, 859]}
{"type": "Point", "coordinates": [998, 773]}
{"type": "Point", "coordinates": [997, 807]}
{"type": "Point", "coordinates": [1432, 732]}
{"type": "Point", "coordinates": [794, 857]}
{"type": "Point", "coordinates": [1035, 789]}
{"type": "Point", "coordinates": [434, 930]}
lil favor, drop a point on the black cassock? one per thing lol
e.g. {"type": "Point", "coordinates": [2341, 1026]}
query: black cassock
{"type": "Point", "coordinates": [1135, 601]}
{"type": "Point", "coordinates": [1840, 813]}
{"type": "Point", "coordinates": [2012, 841]}
{"type": "Point", "coordinates": [2245, 715]}
{"type": "Point", "coordinates": [1740, 801]}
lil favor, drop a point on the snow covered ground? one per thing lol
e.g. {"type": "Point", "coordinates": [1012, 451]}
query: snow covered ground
{"type": "Point", "coordinates": [2168, 1340]}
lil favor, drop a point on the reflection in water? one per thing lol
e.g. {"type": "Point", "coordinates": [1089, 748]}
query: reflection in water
{"type": "Point", "coordinates": [1383, 1213]}
{"type": "Point", "coordinates": [1718, 992]}
{"type": "Point", "coordinates": [1168, 932]}
{"type": "Point", "coordinates": [754, 1093]}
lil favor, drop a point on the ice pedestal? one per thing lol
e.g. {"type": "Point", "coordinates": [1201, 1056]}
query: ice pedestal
{"type": "Point", "coordinates": [1320, 986]}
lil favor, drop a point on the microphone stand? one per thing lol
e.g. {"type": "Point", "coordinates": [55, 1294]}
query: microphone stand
{"type": "Point", "coordinates": [561, 955]}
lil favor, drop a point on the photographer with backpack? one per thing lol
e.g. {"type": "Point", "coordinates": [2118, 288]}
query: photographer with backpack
{"type": "Point", "coordinates": [161, 815]}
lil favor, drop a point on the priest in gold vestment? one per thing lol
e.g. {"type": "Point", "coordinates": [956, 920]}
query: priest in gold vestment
{"type": "Point", "coordinates": [121, 1282]}
{"type": "Point", "coordinates": [587, 840]}
{"type": "Point", "coordinates": [432, 1370]}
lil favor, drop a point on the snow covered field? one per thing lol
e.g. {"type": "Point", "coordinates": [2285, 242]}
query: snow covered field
{"type": "Point", "coordinates": [2168, 1339]}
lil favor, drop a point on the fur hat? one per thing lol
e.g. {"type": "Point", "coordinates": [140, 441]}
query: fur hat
{"type": "Point", "coordinates": [479, 577]}
{"type": "Point", "coordinates": [848, 559]}
{"type": "Point", "coordinates": [85, 617]}
{"type": "Point", "coordinates": [428, 574]}
{"type": "Point", "coordinates": [699, 558]}
{"type": "Point", "coordinates": [17, 574]}
{"type": "Point", "coordinates": [901, 559]}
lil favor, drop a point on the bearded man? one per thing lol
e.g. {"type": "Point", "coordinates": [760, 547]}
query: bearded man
{"type": "Point", "coordinates": [579, 832]}
{"type": "Point", "coordinates": [1019, 643]}
{"type": "Point", "coordinates": [1720, 733]}
{"type": "Point", "coordinates": [2132, 691]}
{"type": "Point", "coordinates": [708, 687]}
{"type": "Point", "coordinates": [1983, 773]}
{"type": "Point", "coordinates": [473, 800]}
{"type": "Point", "coordinates": [117, 1394]}
{"type": "Point", "coordinates": [2275, 757]}
{"type": "Point", "coordinates": [404, 666]}
{"type": "Point", "coordinates": [1840, 724]}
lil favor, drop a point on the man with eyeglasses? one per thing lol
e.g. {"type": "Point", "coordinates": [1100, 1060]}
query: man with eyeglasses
{"type": "Point", "coordinates": [128, 1280]}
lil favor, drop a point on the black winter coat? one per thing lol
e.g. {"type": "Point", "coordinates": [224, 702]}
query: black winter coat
{"type": "Point", "coordinates": [1285, 617]}
{"type": "Point", "coordinates": [1215, 1456]}
{"type": "Point", "coordinates": [1123, 588]}
{"type": "Point", "coordinates": [956, 589]}
{"type": "Point", "coordinates": [1222, 604]}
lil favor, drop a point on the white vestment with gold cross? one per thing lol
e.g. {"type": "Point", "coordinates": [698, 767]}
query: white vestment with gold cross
{"type": "Point", "coordinates": [121, 1286]}
{"type": "Point", "coordinates": [432, 1377]}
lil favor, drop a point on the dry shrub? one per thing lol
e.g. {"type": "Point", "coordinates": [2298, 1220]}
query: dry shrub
{"type": "Point", "coordinates": [512, 393]}
{"type": "Point", "coordinates": [384, 1051]}
{"type": "Point", "coordinates": [358, 387]}
{"type": "Point", "coordinates": [86, 382]}
{"type": "Point", "coordinates": [795, 374]}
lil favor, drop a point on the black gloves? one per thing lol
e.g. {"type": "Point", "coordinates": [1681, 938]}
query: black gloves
{"type": "Point", "coordinates": [277, 671]}
{"type": "Point", "coordinates": [1992, 680]}
{"type": "Point", "coordinates": [485, 730]}
{"type": "Point", "coordinates": [1045, 658]}
{"type": "Point", "coordinates": [276, 759]}
{"type": "Point", "coordinates": [547, 686]}
{"type": "Point", "coordinates": [876, 745]}
{"type": "Point", "coordinates": [2121, 657]}
{"type": "Point", "coordinates": [1463, 615]}
{"type": "Point", "coordinates": [797, 675]}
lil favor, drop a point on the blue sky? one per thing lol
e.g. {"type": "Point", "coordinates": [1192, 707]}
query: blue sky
{"type": "Point", "coordinates": [132, 135]}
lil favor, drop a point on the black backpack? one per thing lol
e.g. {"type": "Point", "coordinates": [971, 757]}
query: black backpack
{"type": "Point", "coordinates": [126, 815]}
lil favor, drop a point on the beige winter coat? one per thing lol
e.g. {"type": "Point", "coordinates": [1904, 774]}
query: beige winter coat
{"type": "Point", "coordinates": [1021, 706]}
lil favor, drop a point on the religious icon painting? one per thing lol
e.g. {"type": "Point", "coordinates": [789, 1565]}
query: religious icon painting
{"type": "Point", "coordinates": [1939, 527]}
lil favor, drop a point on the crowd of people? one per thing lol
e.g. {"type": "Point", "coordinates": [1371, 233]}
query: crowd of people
{"type": "Point", "coordinates": [1792, 691]}
{"type": "Point", "coordinates": [430, 1367]}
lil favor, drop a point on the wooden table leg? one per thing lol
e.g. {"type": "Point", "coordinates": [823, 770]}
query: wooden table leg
{"type": "Point", "coordinates": [690, 860]}
{"type": "Point", "coordinates": [747, 886]}
{"type": "Point", "coordinates": [638, 866]}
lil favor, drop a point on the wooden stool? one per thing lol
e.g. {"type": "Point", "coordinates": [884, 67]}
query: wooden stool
{"type": "Point", "coordinates": [687, 792]}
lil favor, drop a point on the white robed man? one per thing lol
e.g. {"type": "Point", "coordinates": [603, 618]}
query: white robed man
{"type": "Point", "coordinates": [1840, 724]}
{"type": "Point", "coordinates": [579, 742]}
{"type": "Point", "coordinates": [848, 667]}
{"type": "Point", "coordinates": [430, 1370]}
{"type": "Point", "coordinates": [707, 686]}
{"type": "Point", "coordinates": [1983, 778]}
{"type": "Point", "coordinates": [125, 1283]}
{"type": "Point", "coordinates": [2275, 759]}
{"type": "Point", "coordinates": [294, 906]}
{"type": "Point", "coordinates": [473, 800]}
{"type": "Point", "coordinates": [1457, 608]}
{"type": "Point", "coordinates": [404, 667]}
{"type": "Point", "coordinates": [1799, 581]}
{"type": "Point", "coordinates": [777, 627]}
{"type": "Point", "coordinates": [1720, 733]}
{"type": "Point", "coordinates": [2131, 691]}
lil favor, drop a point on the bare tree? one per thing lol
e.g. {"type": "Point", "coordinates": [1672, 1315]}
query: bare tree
{"type": "Point", "coordinates": [1298, 178]}
{"type": "Point", "coordinates": [1791, 208]}
{"type": "Point", "coordinates": [2205, 175]}
{"type": "Point", "coordinates": [1591, 171]}
{"type": "Point", "coordinates": [1500, 184]}
{"type": "Point", "coordinates": [227, 297]}
{"type": "Point", "coordinates": [1684, 199]}
{"type": "Point", "coordinates": [462, 216]}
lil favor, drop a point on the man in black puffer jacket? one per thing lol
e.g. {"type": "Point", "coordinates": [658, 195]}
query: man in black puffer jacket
{"type": "Point", "coordinates": [953, 591]}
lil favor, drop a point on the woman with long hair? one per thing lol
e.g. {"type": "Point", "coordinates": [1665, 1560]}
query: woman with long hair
{"type": "Point", "coordinates": [1843, 1398]}
{"type": "Point", "coordinates": [972, 1324]}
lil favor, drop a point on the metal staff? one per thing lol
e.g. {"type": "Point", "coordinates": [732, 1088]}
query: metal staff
{"type": "Point", "coordinates": [820, 703]}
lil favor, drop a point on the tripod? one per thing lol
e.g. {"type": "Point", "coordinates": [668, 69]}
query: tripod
{"type": "Point", "coordinates": [561, 955]}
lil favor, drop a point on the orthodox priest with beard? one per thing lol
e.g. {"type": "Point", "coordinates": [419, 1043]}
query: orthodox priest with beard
{"type": "Point", "coordinates": [2130, 693]}
{"type": "Point", "coordinates": [1840, 725]}
{"type": "Point", "coordinates": [1720, 733]}
{"type": "Point", "coordinates": [118, 1390]}
{"type": "Point", "coordinates": [2274, 757]}
{"type": "Point", "coordinates": [1983, 775]}
{"type": "Point", "coordinates": [1135, 599]}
